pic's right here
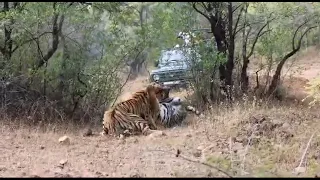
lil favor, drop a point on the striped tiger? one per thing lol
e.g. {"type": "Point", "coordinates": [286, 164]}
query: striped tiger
{"type": "Point", "coordinates": [172, 112]}
{"type": "Point", "coordinates": [137, 114]}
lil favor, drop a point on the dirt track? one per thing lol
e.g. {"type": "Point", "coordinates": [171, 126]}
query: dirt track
{"type": "Point", "coordinates": [29, 153]}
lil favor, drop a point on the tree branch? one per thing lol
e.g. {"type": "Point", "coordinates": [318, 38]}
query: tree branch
{"type": "Point", "coordinates": [295, 34]}
{"type": "Point", "coordinates": [239, 30]}
{"type": "Point", "coordinates": [259, 34]}
{"type": "Point", "coordinates": [294, 50]}
{"type": "Point", "coordinates": [56, 31]}
{"type": "Point", "coordinates": [200, 12]}
{"type": "Point", "coordinates": [29, 40]}
{"type": "Point", "coordinates": [300, 40]}
{"type": "Point", "coordinates": [237, 21]}
{"type": "Point", "coordinates": [178, 154]}
{"type": "Point", "coordinates": [247, 35]}
{"type": "Point", "coordinates": [247, 25]}
{"type": "Point", "coordinates": [236, 8]}
{"type": "Point", "coordinates": [207, 8]}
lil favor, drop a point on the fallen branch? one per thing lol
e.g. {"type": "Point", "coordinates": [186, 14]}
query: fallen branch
{"type": "Point", "coordinates": [178, 154]}
{"type": "Point", "coordinates": [304, 154]}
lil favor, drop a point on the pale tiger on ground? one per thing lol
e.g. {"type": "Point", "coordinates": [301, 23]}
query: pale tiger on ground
{"type": "Point", "coordinates": [173, 112]}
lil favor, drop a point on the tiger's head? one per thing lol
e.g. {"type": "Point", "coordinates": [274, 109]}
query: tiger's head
{"type": "Point", "coordinates": [161, 91]}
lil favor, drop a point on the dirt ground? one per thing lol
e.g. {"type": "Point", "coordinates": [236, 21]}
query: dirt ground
{"type": "Point", "coordinates": [248, 140]}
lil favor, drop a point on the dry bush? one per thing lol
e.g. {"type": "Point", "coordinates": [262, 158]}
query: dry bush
{"type": "Point", "coordinates": [256, 138]}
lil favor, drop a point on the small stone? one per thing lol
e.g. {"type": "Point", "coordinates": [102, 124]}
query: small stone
{"type": "Point", "coordinates": [200, 148]}
{"type": "Point", "coordinates": [63, 162]}
{"type": "Point", "coordinates": [188, 135]}
{"type": "Point", "coordinates": [64, 140]}
{"type": "Point", "coordinates": [3, 168]}
{"type": "Point", "coordinates": [19, 165]}
{"type": "Point", "coordinates": [197, 112]}
{"type": "Point", "coordinates": [162, 162]}
{"type": "Point", "coordinates": [88, 132]}
{"type": "Point", "coordinates": [239, 139]}
{"type": "Point", "coordinates": [35, 176]}
{"type": "Point", "coordinates": [56, 174]}
{"type": "Point", "coordinates": [42, 147]}
{"type": "Point", "coordinates": [99, 174]}
{"type": "Point", "coordinates": [135, 175]}
{"type": "Point", "coordinates": [197, 153]}
{"type": "Point", "coordinates": [286, 125]}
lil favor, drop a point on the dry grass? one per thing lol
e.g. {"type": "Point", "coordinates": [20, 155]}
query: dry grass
{"type": "Point", "coordinates": [206, 139]}
{"type": "Point", "coordinates": [250, 138]}
{"type": "Point", "coordinates": [273, 152]}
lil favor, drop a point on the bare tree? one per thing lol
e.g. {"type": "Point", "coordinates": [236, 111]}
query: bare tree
{"type": "Point", "coordinates": [245, 54]}
{"type": "Point", "coordinates": [224, 29]}
{"type": "Point", "coordinates": [295, 48]}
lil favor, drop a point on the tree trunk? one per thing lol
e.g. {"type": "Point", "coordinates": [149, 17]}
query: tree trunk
{"type": "Point", "coordinates": [277, 74]}
{"type": "Point", "coordinates": [230, 61]}
{"type": "Point", "coordinates": [220, 36]}
{"type": "Point", "coordinates": [7, 35]}
{"type": "Point", "coordinates": [295, 49]}
{"type": "Point", "coordinates": [244, 74]}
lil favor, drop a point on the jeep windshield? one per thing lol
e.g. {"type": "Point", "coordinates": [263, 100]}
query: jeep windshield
{"type": "Point", "coordinates": [172, 58]}
{"type": "Point", "coordinates": [172, 63]}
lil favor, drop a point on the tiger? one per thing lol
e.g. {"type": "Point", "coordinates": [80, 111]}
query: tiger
{"type": "Point", "coordinates": [172, 112]}
{"type": "Point", "coordinates": [137, 114]}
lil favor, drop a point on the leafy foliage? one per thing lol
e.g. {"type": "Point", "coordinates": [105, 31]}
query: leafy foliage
{"type": "Point", "coordinates": [77, 54]}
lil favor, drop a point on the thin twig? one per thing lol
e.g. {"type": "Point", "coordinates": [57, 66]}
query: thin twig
{"type": "Point", "coordinates": [305, 151]}
{"type": "Point", "coordinates": [195, 161]}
